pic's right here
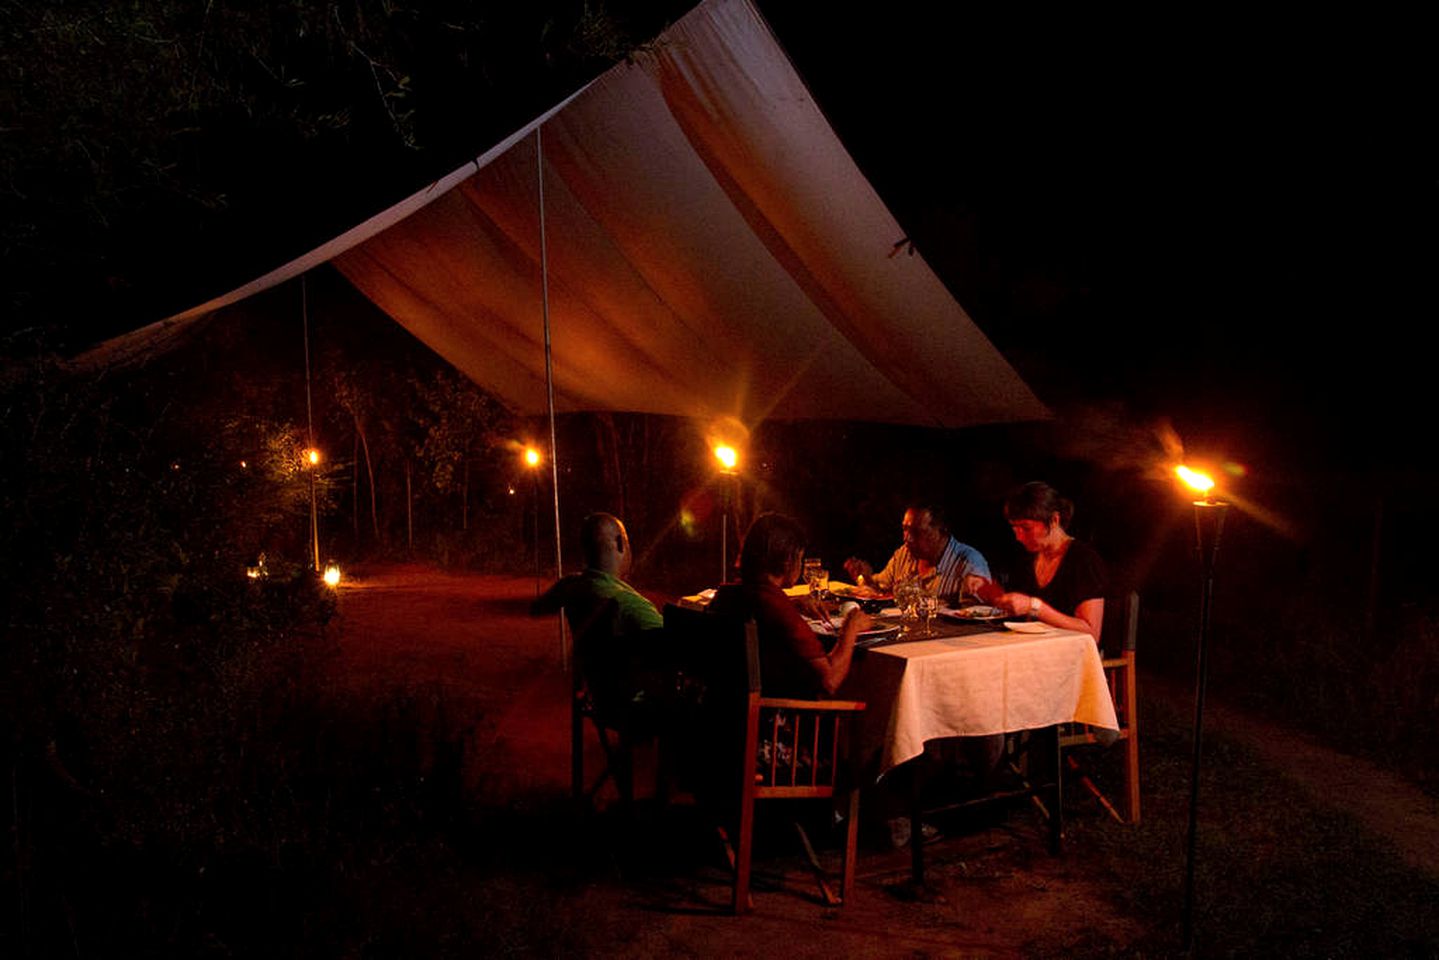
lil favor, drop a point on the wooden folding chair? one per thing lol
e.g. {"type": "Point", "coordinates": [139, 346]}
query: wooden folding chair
{"type": "Point", "coordinates": [596, 698]}
{"type": "Point", "coordinates": [1121, 630]}
{"type": "Point", "coordinates": [788, 749]}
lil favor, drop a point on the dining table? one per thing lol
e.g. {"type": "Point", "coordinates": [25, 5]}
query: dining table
{"type": "Point", "coordinates": [975, 679]}
{"type": "Point", "coordinates": [966, 677]}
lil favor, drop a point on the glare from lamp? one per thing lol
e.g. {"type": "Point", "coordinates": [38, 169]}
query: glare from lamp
{"type": "Point", "coordinates": [312, 456]}
{"type": "Point", "coordinates": [727, 456]}
{"type": "Point", "coordinates": [532, 457]}
{"type": "Point", "coordinates": [1200, 483]}
{"type": "Point", "coordinates": [332, 575]}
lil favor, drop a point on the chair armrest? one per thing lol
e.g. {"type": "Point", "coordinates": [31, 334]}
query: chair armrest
{"type": "Point", "coordinates": [830, 706]}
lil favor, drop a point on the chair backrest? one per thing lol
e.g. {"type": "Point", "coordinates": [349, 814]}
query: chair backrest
{"type": "Point", "coordinates": [1121, 623]}
{"type": "Point", "coordinates": [594, 622]}
{"type": "Point", "coordinates": [712, 650]}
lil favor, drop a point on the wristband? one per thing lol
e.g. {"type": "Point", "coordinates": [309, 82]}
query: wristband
{"type": "Point", "coordinates": [1034, 607]}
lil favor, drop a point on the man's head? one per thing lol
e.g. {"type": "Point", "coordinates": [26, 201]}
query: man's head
{"type": "Point", "coordinates": [773, 547]}
{"type": "Point", "coordinates": [605, 543]}
{"type": "Point", "coordinates": [925, 532]}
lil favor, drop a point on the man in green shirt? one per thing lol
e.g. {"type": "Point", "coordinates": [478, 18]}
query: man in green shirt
{"type": "Point", "coordinates": [616, 629]}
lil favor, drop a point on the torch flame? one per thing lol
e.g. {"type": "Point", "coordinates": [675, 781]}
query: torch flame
{"type": "Point", "coordinates": [332, 575]}
{"type": "Point", "coordinates": [726, 455]}
{"type": "Point", "coordinates": [313, 456]}
{"type": "Point", "coordinates": [1198, 482]}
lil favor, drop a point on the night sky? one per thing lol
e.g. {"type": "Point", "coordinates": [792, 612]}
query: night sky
{"type": "Point", "coordinates": [1224, 221]}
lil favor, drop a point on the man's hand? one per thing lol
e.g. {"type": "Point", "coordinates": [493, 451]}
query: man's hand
{"type": "Point", "coordinates": [857, 569]}
{"type": "Point", "coordinates": [986, 590]}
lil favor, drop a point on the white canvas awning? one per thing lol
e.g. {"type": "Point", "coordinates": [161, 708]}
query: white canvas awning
{"type": "Point", "coordinates": [712, 250]}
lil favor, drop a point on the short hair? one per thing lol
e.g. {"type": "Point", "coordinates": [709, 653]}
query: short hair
{"type": "Point", "coordinates": [596, 532]}
{"type": "Point", "coordinates": [771, 546]}
{"type": "Point", "coordinates": [937, 516]}
{"type": "Point", "coordinates": [1038, 501]}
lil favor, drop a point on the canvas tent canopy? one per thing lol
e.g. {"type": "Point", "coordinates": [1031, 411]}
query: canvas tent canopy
{"type": "Point", "coordinates": [696, 239]}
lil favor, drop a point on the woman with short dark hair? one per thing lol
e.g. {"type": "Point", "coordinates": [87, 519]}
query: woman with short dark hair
{"type": "Point", "coordinates": [1065, 583]}
{"type": "Point", "coordinates": [793, 660]}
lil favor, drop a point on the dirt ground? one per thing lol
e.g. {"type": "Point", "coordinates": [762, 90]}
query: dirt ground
{"type": "Point", "coordinates": [993, 890]}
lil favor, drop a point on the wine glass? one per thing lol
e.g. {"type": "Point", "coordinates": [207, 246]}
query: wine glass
{"type": "Point", "coordinates": [905, 596]}
{"type": "Point", "coordinates": [811, 567]}
{"type": "Point", "coordinates": [928, 605]}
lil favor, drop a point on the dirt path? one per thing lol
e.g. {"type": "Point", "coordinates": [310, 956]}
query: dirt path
{"type": "Point", "coordinates": [1387, 805]}
{"type": "Point", "coordinates": [468, 639]}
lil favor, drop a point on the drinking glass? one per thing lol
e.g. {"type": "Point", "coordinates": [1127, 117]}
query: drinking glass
{"type": "Point", "coordinates": [906, 593]}
{"type": "Point", "coordinates": [812, 565]}
{"type": "Point", "coordinates": [928, 605]}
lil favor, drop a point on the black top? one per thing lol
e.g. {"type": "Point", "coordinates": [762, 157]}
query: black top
{"type": "Point", "coordinates": [1081, 576]}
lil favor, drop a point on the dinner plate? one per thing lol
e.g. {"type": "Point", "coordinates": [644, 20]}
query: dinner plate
{"type": "Point", "coordinates": [1027, 626]}
{"type": "Point", "coordinates": [976, 613]}
{"type": "Point", "coordinates": [868, 638]}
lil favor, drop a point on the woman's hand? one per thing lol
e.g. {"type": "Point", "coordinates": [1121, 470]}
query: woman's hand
{"type": "Point", "coordinates": [1018, 604]}
{"type": "Point", "coordinates": [861, 620]}
{"type": "Point", "coordinates": [813, 608]}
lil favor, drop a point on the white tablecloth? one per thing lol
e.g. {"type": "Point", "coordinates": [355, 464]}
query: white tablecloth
{"type": "Point", "coordinates": [982, 684]}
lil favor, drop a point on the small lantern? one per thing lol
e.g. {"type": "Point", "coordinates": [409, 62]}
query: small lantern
{"type": "Point", "coordinates": [332, 574]}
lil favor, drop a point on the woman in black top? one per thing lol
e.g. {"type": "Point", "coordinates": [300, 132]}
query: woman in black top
{"type": "Point", "coordinates": [1066, 583]}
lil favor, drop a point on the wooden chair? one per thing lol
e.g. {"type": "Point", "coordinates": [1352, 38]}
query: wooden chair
{"type": "Point", "coordinates": [777, 748]}
{"type": "Point", "coordinates": [1121, 629]}
{"type": "Point", "coordinates": [596, 697]}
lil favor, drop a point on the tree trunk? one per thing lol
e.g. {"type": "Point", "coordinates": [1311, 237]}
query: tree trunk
{"type": "Point", "coordinates": [607, 449]}
{"type": "Point", "coordinates": [370, 472]}
{"type": "Point", "coordinates": [409, 509]}
{"type": "Point", "coordinates": [355, 492]}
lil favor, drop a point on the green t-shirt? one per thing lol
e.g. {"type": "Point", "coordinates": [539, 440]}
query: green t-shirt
{"type": "Point", "coordinates": [580, 592]}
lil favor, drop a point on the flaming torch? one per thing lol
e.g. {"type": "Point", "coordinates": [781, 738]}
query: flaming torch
{"type": "Point", "coordinates": [1209, 513]}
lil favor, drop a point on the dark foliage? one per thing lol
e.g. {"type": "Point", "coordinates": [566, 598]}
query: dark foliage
{"type": "Point", "coordinates": [151, 148]}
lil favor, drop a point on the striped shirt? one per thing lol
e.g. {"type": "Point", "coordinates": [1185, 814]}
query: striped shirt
{"type": "Point", "coordinates": [946, 580]}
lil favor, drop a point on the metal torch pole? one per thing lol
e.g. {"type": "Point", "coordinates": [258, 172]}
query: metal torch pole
{"type": "Point", "coordinates": [724, 529]}
{"type": "Point", "coordinates": [1208, 527]}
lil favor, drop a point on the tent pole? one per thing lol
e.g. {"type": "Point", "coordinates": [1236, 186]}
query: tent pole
{"type": "Point", "coordinates": [550, 377]}
{"type": "Point", "coordinates": [310, 424]}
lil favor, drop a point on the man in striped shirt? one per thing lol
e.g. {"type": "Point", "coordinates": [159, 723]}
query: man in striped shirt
{"type": "Point", "coordinates": [930, 554]}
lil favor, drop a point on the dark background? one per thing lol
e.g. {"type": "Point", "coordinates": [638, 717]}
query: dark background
{"type": "Point", "coordinates": [1188, 228]}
